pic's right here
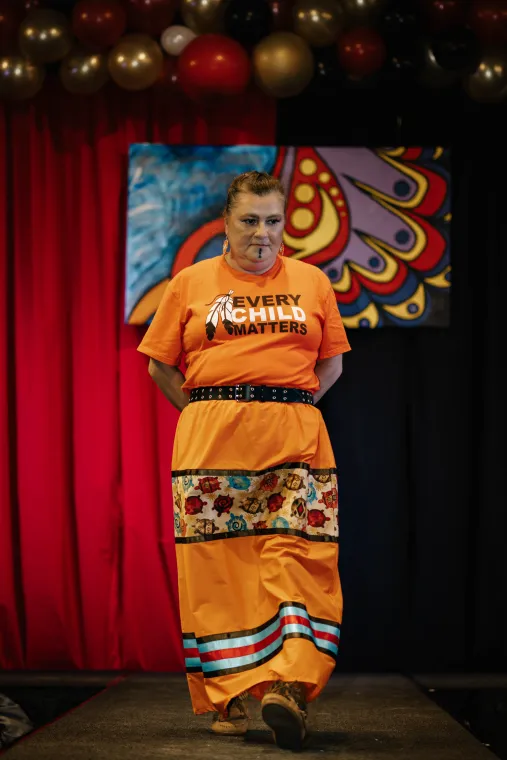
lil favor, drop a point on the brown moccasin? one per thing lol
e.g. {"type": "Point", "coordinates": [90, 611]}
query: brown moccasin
{"type": "Point", "coordinates": [284, 711]}
{"type": "Point", "coordinates": [235, 720]}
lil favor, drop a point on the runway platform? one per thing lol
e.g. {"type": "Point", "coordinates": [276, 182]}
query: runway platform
{"type": "Point", "coordinates": [139, 717]}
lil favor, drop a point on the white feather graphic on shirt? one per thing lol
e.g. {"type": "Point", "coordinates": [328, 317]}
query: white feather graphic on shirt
{"type": "Point", "coordinates": [221, 306]}
{"type": "Point", "coordinates": [226, 313]}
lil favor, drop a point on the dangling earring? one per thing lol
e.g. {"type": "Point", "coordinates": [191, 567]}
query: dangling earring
{"type": "Point", "coordinates": [224, 247]}
{"type": "Point", "coordinates": [282, 250]}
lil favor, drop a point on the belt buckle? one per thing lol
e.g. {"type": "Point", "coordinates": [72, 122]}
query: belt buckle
{"type": "Point", "coordinates": [250, 393]}
{"type": "Point", "coordinates": [254, 393]}
{"type": "Point", "coordinates": [237, 397]}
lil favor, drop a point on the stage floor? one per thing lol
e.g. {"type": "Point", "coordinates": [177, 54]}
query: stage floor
{"type": "Point", "coordinates": [149, 716]}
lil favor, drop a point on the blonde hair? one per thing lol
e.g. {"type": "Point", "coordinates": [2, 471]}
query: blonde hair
{"type": "Point", "coordinates": [258, 183]}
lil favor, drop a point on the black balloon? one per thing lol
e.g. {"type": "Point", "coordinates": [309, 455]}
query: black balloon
{"type": "Point", "coordinates": [248, 21]}
{"type": "Point", "coordinates": [329, 75]}
{"type": "Point", "coordinates": [63, 6]}
{"type": "Point", "coordinates": [399, 20]}
{"type": "Point", "coordinates": [400, 27]}
{"type": "Point", "coordinates": [433, 75]}
{"type": "Point", "coordinates": [404, 61]}
{"type": "Point", "coordinates": [457, 49]}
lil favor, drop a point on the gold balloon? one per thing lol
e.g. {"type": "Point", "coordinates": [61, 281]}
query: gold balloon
{"type": "Point", "coordinates": [488, 83]}
{"type": "Point", "coordinates": [318, 21]}
{"type": "Point", "coordinates": [359, 11]}
{"type": "Point", "coordinates": [135, 62]}
{"type": "Point", "coordinates": [19, 79]}
{"type": "Point", "coordinates": [203, 16]}
{"type": "Point", "coordinates": [84, 73]}
{"type": "Point", "coordinates": [45, 36]}
{"type": "Point", "coordinates": [283, 64]}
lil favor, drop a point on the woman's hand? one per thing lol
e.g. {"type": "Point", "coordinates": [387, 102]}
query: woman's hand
{"type": "Point", "coordinates": [328, 371]}
{"type": "Point", "coordinates": [169, 379]}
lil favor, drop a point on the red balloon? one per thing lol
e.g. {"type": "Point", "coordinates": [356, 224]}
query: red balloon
{"type": "Point", "coordinates": [98, 24]}
{"type": "Point", "coordinates": [281, 13]}
{"type": "Point", "coordinates": [361, 51]}
{"type": "Point", "coordinates": [150, 16]}
{"type": "Point", "coordinates": [488, 18]}
{"type": "Point", "coordinates": [444, 13]}
{"type": "Point", "coordinates": [213, 64]}
{"type": "Point", "coordinates": [10, 20]}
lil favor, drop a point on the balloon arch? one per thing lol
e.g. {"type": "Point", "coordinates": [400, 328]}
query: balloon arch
{"type": "Point", "coordinates": [209, 48]}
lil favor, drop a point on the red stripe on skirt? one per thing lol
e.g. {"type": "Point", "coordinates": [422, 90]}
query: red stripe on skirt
{"type": "Point", "coordinates": [222, 654]}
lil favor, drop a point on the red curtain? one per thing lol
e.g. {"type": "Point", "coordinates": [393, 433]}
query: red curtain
{"type": "Point", "coordinates": [87, 567]}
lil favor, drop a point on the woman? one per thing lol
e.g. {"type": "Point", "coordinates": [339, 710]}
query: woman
{"type": "Point", "coordinates": [254, 478]}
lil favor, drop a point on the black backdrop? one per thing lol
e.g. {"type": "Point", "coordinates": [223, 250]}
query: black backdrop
{"type": "Point", "coordinates": [418, 418]}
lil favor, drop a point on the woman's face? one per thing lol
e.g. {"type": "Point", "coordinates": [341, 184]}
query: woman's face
{"type": "Point", "coordinates": [254, 227]}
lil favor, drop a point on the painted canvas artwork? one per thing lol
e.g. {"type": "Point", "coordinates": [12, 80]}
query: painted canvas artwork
{"type": "Point", "coordinates": [376, 221]}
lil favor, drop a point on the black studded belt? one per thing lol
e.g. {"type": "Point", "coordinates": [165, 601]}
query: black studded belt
{"type": "Point", "coordinates": [251, 393]}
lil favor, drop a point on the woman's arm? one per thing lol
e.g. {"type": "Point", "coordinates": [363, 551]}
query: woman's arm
{"type": "Point", "coordinates": [169, 380]}
{"type": "Point", "coordinates": [328, 371]}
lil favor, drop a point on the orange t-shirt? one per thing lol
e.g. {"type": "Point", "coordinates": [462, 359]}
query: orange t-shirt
{"type": "Point", "coordinates": [237, 328]}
